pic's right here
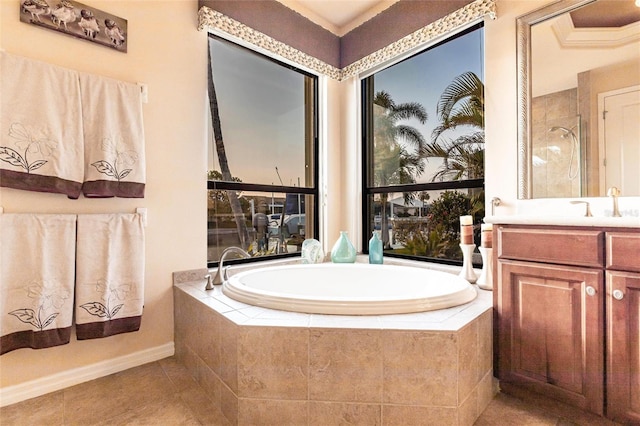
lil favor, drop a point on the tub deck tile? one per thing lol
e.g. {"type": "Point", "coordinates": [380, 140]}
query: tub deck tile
{"type": "Point", "coordinates": [302, 369]}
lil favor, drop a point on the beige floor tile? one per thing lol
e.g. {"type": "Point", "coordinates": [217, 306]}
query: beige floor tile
{"type": "Point", "coordinates": [145, 395]}
{"type": "Point", "coordinates": [177, 373]}
{"type": "Point", "coordinates": [167, 412]}
{"type": "Point", "coordinates": [95, 401]}
{"type": "Point", "coordinates": [202, 407]}
{"type": "Point", "coordinates": [508, 411]}
{"type": "Point", "coordinates": [46, 409]}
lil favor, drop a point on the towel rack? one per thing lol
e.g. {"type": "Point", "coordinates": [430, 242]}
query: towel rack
{"type": "Point", "coordinates": [144, 92]}
{"type": "Point", "coordinates": [142, 211]}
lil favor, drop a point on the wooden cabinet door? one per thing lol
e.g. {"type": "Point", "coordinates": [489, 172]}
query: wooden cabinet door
{"type": "Point", "coordinates": [551, 331]}
{"type": "Point", "coordinates": [623, 347]}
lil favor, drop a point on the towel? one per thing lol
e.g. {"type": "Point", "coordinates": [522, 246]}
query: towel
{"type": "Point", "coordinates": [109, 274]}
{"type": "Point", "coordinates": [36, 280]}
{"type": "Point", "coordinates": [41, 143]}
{"type": "Point", "coordinates": [113, 138]}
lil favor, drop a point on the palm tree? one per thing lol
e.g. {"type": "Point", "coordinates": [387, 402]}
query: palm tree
{"type": "Point", "coordinates": [392, 162]}
{"type": "Point", "coordinates": [236, 208]}
{"type": "Point", "coordinates": [461, 104]}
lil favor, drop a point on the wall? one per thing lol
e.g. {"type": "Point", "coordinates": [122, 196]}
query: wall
{"type": "Point", "coordinates": [168, 53]}
{"type": "Point", "coordinates": [501, 171]}
{"type": "Point", "coordinates": [551, 179]}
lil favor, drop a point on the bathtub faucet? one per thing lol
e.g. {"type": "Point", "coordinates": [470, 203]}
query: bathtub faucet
{"type": "Point", "coordinates": [221, 275]}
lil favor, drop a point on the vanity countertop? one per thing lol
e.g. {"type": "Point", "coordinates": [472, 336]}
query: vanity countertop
{"type": "Point", "coordinates": [616, 222]}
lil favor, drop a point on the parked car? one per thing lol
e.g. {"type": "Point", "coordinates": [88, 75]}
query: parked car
{"type": "Point", "coordinates": [293, 222]}
{"type": "Point", "coordinates": [274, 219]}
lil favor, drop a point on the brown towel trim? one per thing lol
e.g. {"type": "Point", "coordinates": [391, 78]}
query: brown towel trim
{"type": "Point", "coordinates": [39, 183]}
{"type": "Point", "coordinates": [109, 188]}
{"type": "Point", "coordinates": [34, 339]}
{"type": "Point", "coordinates": [96, 330]}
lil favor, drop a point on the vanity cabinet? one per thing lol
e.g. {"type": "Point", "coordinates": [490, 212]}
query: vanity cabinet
{"type": "Point", "coordinates": [623, 327]}
{"type": "Point", "coordinates": [561, 332]}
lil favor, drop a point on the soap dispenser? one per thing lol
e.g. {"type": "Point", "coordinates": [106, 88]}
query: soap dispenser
{"type": "Point", "coordinates": [375, 249]}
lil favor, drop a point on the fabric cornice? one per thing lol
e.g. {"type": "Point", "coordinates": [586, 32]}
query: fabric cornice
{"type": "Point", "coordinates": [211, 20]}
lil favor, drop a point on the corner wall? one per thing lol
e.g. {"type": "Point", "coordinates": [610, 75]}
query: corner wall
{"type": "Point", "coordinates": [168, 54]}
{"type": "Point", "coordinates": [501, 119]}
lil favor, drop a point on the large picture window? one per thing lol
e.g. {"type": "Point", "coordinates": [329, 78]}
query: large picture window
{"type": "Point", "coordinates": [423, 145]}
{"type": "Point", "coordinates": [262, 179]}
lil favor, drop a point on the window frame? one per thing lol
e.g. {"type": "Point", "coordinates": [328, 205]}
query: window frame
{"type": "Point", "coordinates": [313, 190]}
{"type": "Point", "coordinates": [366, 128]}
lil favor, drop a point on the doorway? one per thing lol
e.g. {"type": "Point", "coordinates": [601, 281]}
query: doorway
{"type": "Point", "coordinates": [619, 133]}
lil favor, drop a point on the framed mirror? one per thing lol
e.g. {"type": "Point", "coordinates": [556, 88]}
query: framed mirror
{"type": "Point", "coordinates": [579, 99]}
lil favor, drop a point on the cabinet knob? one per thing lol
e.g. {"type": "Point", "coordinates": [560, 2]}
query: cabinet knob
{"type": "Point", "coordinates": [590, 291]}
{"type": "Point", "coordinates": [618, 294]}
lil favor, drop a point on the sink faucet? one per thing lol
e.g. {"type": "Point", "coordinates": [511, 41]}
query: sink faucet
{"type": "Point", "coordinates": [495, 201]}
{"type": "Point", "coordinates": [221, 275]}
{"type": "Point", "coordinates": [614, 193]}
{"type": "Point", "coordinates": [588, 211]}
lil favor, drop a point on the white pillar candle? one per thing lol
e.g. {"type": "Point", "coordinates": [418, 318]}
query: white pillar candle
{"type": "Point", "coordinates": [486, 235]}
{"type": "Point", "coordinates": [466, 229]}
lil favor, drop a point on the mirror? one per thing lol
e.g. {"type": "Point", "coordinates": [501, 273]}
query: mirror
{"type": "Point", "coordinates": [579, 99]}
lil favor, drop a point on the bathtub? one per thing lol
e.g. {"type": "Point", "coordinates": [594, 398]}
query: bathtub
{"type": "Point", "coordinates": [349, 289]}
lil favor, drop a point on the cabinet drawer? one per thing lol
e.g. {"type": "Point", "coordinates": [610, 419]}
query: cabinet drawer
{"type": "Point", "coordinates": [567, 246]}
{"type": "Point", "coordinates": [623, 251]}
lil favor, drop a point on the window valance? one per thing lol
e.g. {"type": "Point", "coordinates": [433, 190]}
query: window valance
{"type": "Point", "coordinates": [211, 20]}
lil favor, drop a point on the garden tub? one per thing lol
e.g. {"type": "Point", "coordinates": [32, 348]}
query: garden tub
{"type": "Point", "coordinates": [349, 289]}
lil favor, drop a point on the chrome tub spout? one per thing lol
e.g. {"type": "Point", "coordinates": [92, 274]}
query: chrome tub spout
{"type": "Point", "coordinates": [221, 275]}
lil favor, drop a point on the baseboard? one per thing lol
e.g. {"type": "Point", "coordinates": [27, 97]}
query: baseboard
{"type": "Point", "coordinates": [12, 394]}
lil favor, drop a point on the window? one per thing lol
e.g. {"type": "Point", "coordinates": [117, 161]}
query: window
{"type": "Point", "coordinates": [262, 179]}
{"type": "Point", "coordinates": [423, 145]}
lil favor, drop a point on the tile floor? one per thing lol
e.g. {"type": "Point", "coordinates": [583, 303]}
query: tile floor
{"type": "Point", "coordinates": [163, 393]}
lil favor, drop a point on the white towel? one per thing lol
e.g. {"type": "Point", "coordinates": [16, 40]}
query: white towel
{"type": "Point", "coordinates": [36, 280]}
{"type": "Point", "coordinates": [109, 274]}
{"type": "Point", "coordinates": [113, 137]}
{"type": "Point", "coordinates": [41, 143]}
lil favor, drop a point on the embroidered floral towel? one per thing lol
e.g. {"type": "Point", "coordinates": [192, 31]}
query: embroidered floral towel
{"type": "Point", "coordinates": [37, 254]}
{"type": "Point", "coordinates": [109, 274]}
{"type": "Point", "coordinates": [41, 142]}
{"type": "Point", "coordinates": [113, 138]}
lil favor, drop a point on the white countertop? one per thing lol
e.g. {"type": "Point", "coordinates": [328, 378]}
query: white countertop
{"type": "Point", "coordinates": [617, 222]}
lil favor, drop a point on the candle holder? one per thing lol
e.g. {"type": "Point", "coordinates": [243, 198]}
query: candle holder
{"type": "Point", "coordinates": [467, 266]}
{"type": "Point", "coordinates": [485, 281]}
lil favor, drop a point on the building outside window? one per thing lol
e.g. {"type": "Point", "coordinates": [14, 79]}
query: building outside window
{"type": "Point", "coordinates": [263, 176]}
{"type": "Point", "coordinates": [423, 145]}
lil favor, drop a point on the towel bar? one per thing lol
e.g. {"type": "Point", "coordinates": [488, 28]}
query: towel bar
{"type": "Point", "coordinates": [142, 211]}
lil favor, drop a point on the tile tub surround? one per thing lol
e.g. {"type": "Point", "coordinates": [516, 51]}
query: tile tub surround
{"type": "Point", "coordinates": [263, 366]}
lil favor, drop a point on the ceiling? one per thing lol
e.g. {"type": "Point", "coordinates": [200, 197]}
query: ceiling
{"type": "Point", "coordinates": [606, 14]}
{"type": "Point", "coordinates": [338, 16]}
{"type": "Point", "coordinates": [341, 16]}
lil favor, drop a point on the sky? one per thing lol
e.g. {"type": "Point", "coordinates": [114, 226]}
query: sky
{"type": "Point", "coordinates": [423, 78]}
{"type": "Point", "coordinates": [261, 123]}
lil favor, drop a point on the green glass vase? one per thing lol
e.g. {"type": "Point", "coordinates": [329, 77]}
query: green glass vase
{"type": "Point", "coordinates": [343, 251]}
